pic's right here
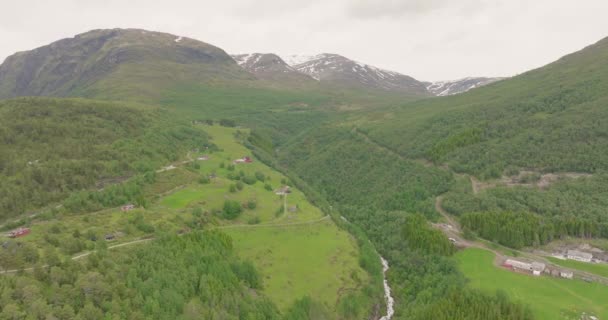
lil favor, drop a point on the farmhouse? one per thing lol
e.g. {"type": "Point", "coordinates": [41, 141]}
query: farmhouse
{"type": "Point", "coordinates": [282, 191]}
{"type": "Point", "coordinates": [243, 160]}
{"type": "Point", "coordinates": [203, 158]}
{"type": "Point", "coordinates": [127, 207]}
{"type": "Point", "coordinates": [566, 274]}
{"type": "Point", "coordinates": [579, 255]}
{"type": "Point", "coordinates": [19, 233]}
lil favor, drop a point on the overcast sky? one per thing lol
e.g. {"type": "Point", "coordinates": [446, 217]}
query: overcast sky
{"type": "Point", "coordinates": [427, 39]}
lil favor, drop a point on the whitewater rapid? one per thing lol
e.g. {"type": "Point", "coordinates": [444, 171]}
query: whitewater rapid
{"type": "Point", "coordinates": [390, 302]}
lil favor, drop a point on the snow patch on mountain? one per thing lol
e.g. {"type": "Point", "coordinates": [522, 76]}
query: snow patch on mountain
{"type": "Point", "coordinates": [344, 71]}
{"type": "Point", "coordinates": [295, 59]}
{"type": "Point", "coordinates": [451, 87]}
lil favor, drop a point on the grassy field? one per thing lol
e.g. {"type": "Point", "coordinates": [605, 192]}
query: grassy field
{"type": "Point", "coordinates": [318, 260]}
{"type": "Point", "coordinates": [549, 298]}
{"type": "Point", "coordinates": [211, 196]}
{"type": "Point", "coordinates": [595, 268]}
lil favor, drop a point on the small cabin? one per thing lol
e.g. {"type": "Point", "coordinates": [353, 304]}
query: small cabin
{"type": "Point", "coordinates": [127, 207]}
{"type": "Point", "coordinates": [284, 190]}
{"type": "Point", "coordinates": [203, 158]}
{"type": "Point", "coordinates": [19, 233]}
{"type": "Point", "coordinates": [243, 160]}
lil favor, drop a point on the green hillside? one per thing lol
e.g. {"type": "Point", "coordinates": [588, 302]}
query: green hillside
{"type": "Point", "coordinates": [549, 119]}
{"type": "Point", "coordinates": [52, 147]}
{"type": "Point", "coordinates": [400, 158]}
{"type": "Point", "coordinates": [192, 249]}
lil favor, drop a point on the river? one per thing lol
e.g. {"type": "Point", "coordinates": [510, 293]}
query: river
{"type": "Point", "coordinates": [390, 302]}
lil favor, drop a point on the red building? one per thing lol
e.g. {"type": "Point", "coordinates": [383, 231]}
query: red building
{"type": "Point", "coordinates": [19, 232]}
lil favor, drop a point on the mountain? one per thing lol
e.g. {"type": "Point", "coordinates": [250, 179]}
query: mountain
{"type": "Point", "coordinates": [269, 66]}
{"type": "Point", "coordinates": [116, 63]}
{"type": "Point", "coordinates": [343, 72]}
{"type": "Point", "coordinates": [446, 88]}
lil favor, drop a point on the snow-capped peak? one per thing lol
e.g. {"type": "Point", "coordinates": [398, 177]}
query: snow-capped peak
{"type": "Point", "coordinates": [295, 59]}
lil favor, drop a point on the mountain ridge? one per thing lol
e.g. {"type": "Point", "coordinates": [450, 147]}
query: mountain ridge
{"type": "Point", "coordinates": [98, 61]}
{"type": "Point", "coordinates": [271, 67]}
{"type": "Point", "coordinates": [342, 71]}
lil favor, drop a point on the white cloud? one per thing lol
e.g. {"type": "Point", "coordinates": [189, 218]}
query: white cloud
{"type": "Point", "coordinates": [428, 39]}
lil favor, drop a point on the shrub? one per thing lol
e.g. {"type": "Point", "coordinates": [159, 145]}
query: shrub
{"type": "Point", "coordinates": [232, 209]}
{"type": "Point", "coordinates": [260, 176]}
{"type": "Point", "coordinates": [197, 212]}
{"type": "Point", "coordinates": [249, 180]}
{"type": "Point", "coordinates": [254, 220]}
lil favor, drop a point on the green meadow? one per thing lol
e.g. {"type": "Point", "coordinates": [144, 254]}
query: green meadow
{"type": "Point", "coordinates": [549, 298]}
{"type": "Point", "coordinates": [317, 260]}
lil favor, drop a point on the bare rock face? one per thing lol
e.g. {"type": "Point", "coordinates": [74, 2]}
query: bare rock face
{"type": "Point", "coordinates": [69, 65]}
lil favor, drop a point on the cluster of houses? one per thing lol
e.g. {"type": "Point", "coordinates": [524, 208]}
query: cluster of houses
{"type": "Point", "coordinates": [536, 268]}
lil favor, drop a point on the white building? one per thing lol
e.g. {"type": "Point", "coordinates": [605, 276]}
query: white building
{"type": "Point", "coordinates": [579, 256]}
{"type": "Point", "coordinates": [566, 274]}
{"type": "Point", "coordinates": [537, 268]}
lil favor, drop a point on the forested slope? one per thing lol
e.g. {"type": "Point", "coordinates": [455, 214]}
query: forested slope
{"type": "Point", "coordinates": [377, 165]}
{"type": "Point", "coordinates": [198, 276]}
{"type": "Point", "coordinates": [383, 194]}
{"type": "Point", "coordinates": [51, 147]}
{"type": "Point", "coordinates": [549, 119]}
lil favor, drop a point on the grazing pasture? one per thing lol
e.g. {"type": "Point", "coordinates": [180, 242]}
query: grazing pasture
{"type": "Point", "coordinates": [549, 298]}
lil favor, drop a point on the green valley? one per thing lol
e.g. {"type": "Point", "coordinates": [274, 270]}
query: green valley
{"type": "Point", "coordinates": [150, 176]}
